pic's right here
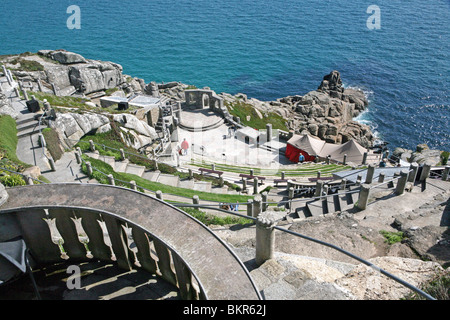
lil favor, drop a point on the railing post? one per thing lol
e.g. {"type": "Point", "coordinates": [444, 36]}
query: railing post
{"type": "Point", "coordinates": [381, 177]}
{"type": "Point", "coordinates": [250, 207]}
{"type": "Point", "coordinates": [159, 195]}
{"type": "Point", "coordinates": [363, 198]}
{"type": "Point", "coordinates": [344, 162]}
{"type": "Point", "coordinates": [255, 185]}
{"type": "Point", "coordinates": [111, 180]}
{"type": "Point", "coordinates": [425, 172]}
{"type": "Point", "coordinates": [445, 173]}
{"type": "Point", "coordinates": [89, 169]}
{"type": "Point", "coordinates": [77, 157]}
{"type": "Point", "coordinates": [133, 185]}
{"type": "Point", "coordinates": [319, 186]}
{"type": "Point", "coordinates": [195, 199]}
{"type": "Point", "coordinates": [3, 194]}
{"type": "Point", "coordinates": [265, 239]}
{"type": "Point", "coordinates": [412, 175]}
{"type": "Point", "coordinates": [364, 159]}
{"type": "Point", "coordinates": [42, 140]}
{"type": "Point", "coordinates": [257, 206]}
{"type": "Point", "coordinates": [318, 174]}
{"type": "Point", "coordinates": [401, 184]}
{"type": "Point", "coordinates": [358, 180]}
{"type": "Point", "coordinates": [191, 174]}
{"type": "Point", "coordinates": [343, 184]}
{"type": "Point", "coordinates": [29, 180]}
{"type": "Point", "coordinates": [122, 154]}
{"type": "Point", "coordinates": [264, 201]}
{"type": "Point", "coordinates": [92, 145]}
{"type": "Point", "coordinates": [369, 174]}
{"type": "Point", "coordinates": [52, 164]}
{"type": "Point", "coordinates": [283, 174]}
{"type": "Point", "coordinates": [244, 184]}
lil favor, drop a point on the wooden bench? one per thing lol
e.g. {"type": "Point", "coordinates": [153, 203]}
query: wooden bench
{"type": "Point", "coordinates": [219, 173]}
{"type": "Point", "coordinates": [248, 176]}
{"type": "Point", "coordinates": [315, 179]}
{"type": "Point", "coordinates": [281, 180]}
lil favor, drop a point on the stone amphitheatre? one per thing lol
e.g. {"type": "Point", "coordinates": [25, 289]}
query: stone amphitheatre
{"type": "Point", "coordinates": [114, 176]}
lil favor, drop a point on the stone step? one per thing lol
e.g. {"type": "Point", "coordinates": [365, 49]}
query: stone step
{"type": "Point", "coordinates": [27, 117]}
{"type": "Point", "coordinates": [168, 179]}
{"type": "Point", "coordinates": [109, 160]}
{"type": "Point", "coordinates": [30, 131]}
{"type": "Point", "coordinates": [93, 155]}
{"type": "Point", "coordinates": [204, 186]}
{"type": "Point", "coordinates": [151, 175]}
{"type": "Point", "coordinates": [316, 207]}
{"type": "Point", "coordinates": [121, 166]}
{"type": "Point", "coordinates": [186, 184]}
{"type": "Point", "coordinates": [135, 169]}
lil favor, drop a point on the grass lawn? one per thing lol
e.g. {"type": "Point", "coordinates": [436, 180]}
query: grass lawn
{"type": "Point", "coordinates": [106, 169]}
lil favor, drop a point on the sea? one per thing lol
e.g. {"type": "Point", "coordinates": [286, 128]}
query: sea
{"type": "Point", "coordinates": [396, 51]}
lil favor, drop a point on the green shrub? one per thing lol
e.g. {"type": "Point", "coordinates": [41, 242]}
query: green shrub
{"type": "Point", "coordinates": [392, 237]}
{"type": "Point", "coordinates": [444, 157]}
{"type": "Point", "coordinates": [12, 180]}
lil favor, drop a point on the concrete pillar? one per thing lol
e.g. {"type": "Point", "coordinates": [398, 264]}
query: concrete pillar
{"type": "Point", "coordinates": [265, 239]}
{"type": "Point", "coordinates": [133, 185]}
{"type": "Point", "coordinates": [16, 91]}
{"type": "Point", "coordinates": [363, 197]}
{"type": "Point", "coordinates": [425, 172]}
{"type": "Point", "coordinates": [244, 184]}
{"type": "Point", "coordinates": [318, 174]}
{"type": "Point", "coordinates": [257, 208]}
{"type": "Point", "coordinates": [445, 173]}
{"type": "Point", "coordinates": [191, 174]}
{"type": "Point", "coordinates": [264, 196]}
{"type": "Point", "coordinates": [364, 160]}
{"type": "Point", "coordinates": [195, 200]}
{"type": "Point", "coordinates": [381, 177]}
{"type": "Point", "coordinates": [252, 172]}
{"type": "Point", "coordinates": [122, 154]}
{"type": "Point", "coordinates": [5, 72]}
{"type": "Point", "coordinates": [24, 92]}
{"type": "Point", "coordinates": [255, 185]}
{"type": "Point", "coordinates": [401, 182]}
{"type": "Point", "coordinates": [89, 168]}
{"type": "Point", "coordinates": [221, 182]}
{"type": "Point", "coordinates": [358, 179]}
{"type": "Point", "coordinates": [344, 162]}
{"type": "Point", "coordinates": [328, 159]}
{"type": "Point", "coordinates": [369, 174]}
{"type": "Point", "coordinates": [159, 195]}
{"type": "Point", "coordinates": [413, 172]}
{"type": "Point", "coordinates": [41, 140]}
{"type": "Point", "coordinates": [111, 180]}
{"type": "Point", "coordinates": [319, 187]}
{"type": "Point", "coordinates": [213, 167]}
{"type": "Point", "coordinates": [269, 132]}
{"type": "Point", "coordinates": [40, 85]}
{"type": "Point", "coordinates": [250, 207]}
{"type": "Point", "coordinates": [52, 164]}
{"type": "Point", "coordinates": [283, 175]}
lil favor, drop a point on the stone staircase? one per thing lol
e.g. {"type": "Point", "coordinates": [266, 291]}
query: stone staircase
{"type": "Point", "coordinates": [156, 176]}
{"type": "Point", "coordinates": [28, 125]}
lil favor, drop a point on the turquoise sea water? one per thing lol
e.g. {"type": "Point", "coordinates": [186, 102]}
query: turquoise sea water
{"type": "Point", "coordinates": [267, 49]}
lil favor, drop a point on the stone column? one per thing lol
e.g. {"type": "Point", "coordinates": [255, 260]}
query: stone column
{"type": "Point", "coordinates": [52, 164]}
{"type": "Point", "coordinates": [133, 185]}
{"type": "Point", "coordinates": [291, 193]}
{"type": "Point", "coordinates": [381, 177]}
{"type": "Point", "coordinates": [244, 184]}
{"type": "Point", "coordinates": [191, 174]}
{"type": "Point", "coordinates": [269, 132]}
{"type": "Point", "coordinates": [159, 195]}
{"type": "Point", "coordinates": [265, 239]}
{"type": "Point", "coordinates": [370, 173]}
{"type": "Point", "coordinates": [89, 168]}
{"type": "Point", "coordinates": [255, 185]}
{"type": "Point", "coordinates": [344, 162]}
{"type": "Point", "coordinates": [122, 154]}
{"type": "Point", "coordinates": [363, 197]}
{"type": "Point", "coordinates": [401, 182]}
{"type": "Point", "coordinates": [78, 157]}
{"type": "Point", "coordinates": [195, 200]}
{"type": "Point", "coordinates": [283, 175]}
{"type": "Point", "coordinates": [318, 174]}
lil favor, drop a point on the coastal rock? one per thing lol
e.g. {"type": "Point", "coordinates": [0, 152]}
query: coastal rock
{"type": "Point", "coordinates": [66, 57]}
{"type": "Point", "coordinates": [422, 155]}
{"type": "Point", "coordinates": [129, 121]}
{"type": "Point", "coordinates": [6, 108]}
